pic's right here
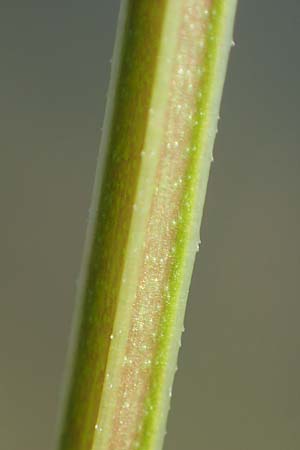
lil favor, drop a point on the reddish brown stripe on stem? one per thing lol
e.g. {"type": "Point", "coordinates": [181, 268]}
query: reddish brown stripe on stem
{"type": "Point", "coordinates": [152, 289]}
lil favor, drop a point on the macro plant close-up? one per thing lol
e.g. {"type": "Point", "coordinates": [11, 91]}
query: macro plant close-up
{"type": "Point", "coordinates": [162, 111]}
{"type": "Point", "coordinates": [94, 366]}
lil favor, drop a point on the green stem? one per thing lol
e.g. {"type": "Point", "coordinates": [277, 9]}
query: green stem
{"type": "Point", "coordinates": [168, 73]}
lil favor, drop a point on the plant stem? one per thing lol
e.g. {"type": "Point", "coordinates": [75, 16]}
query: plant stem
{"type": "Point", "coordinates": [168, 72]}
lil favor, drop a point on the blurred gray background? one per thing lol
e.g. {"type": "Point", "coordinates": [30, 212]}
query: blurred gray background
{"type": "Point", "coordinates": [238, 383]}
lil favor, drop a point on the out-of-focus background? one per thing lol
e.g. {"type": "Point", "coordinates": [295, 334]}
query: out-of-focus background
{"type": "Point", "coordinates": [238, 386]}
